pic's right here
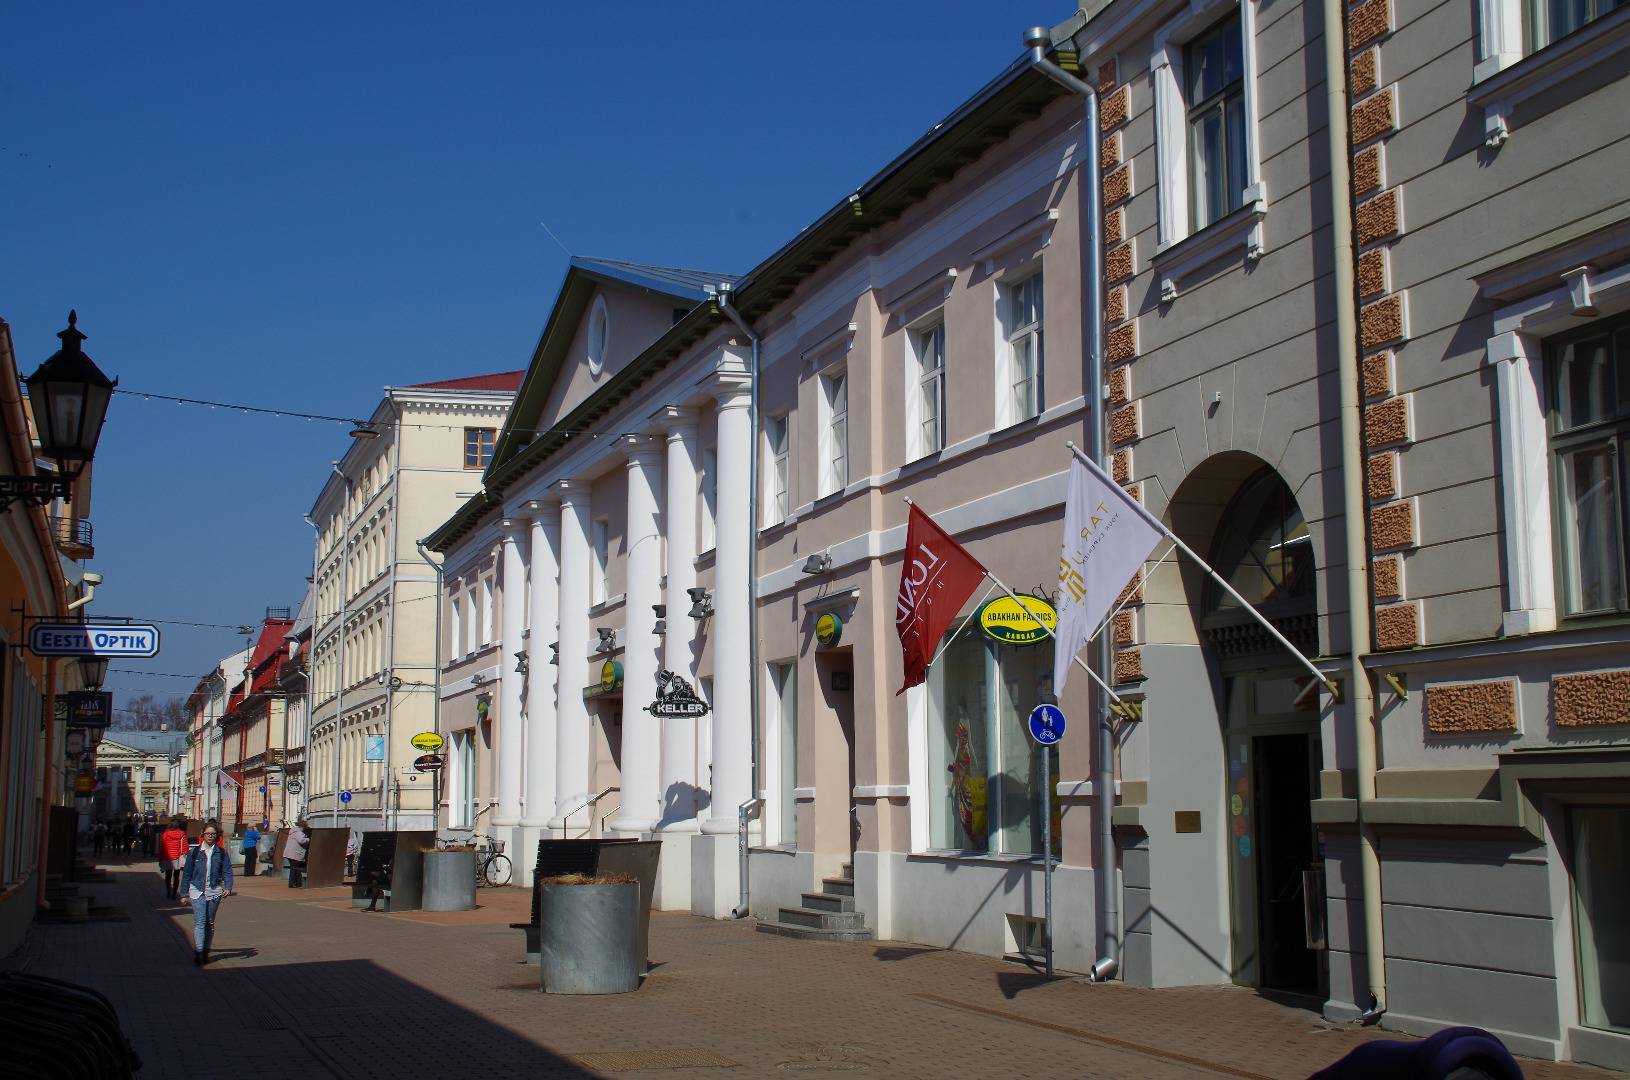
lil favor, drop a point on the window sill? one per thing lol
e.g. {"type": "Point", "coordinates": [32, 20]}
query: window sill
{"type": "Point", "coordinates": [1500, 94]}
{"type": "Point", "coordinates": [606, 605]}
{"type": "Point", "coordinates": [974, 856]}
{"type": "Point", "coordinates": [1241, 229]}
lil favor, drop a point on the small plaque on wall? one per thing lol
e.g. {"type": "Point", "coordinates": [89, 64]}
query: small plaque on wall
{"type": "Point", "coordinates": [1187, 820]}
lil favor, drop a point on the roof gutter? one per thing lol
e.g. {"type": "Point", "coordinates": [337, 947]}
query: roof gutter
{"type": "Point", "coordinates": [751, 806]}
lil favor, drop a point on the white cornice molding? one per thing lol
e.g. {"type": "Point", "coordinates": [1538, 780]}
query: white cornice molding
{"type": "Point", "coordinates": [940, 282]}
{"type": "Point", "coordinates": [1040, 225]}
{"type": "Point", "coordinates": [843, 336]}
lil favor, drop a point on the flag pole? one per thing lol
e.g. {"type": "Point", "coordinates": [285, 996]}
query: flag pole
{"type": "Point", "coordinates": [1218, 578]}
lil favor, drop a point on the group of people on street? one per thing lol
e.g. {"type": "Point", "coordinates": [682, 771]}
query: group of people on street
{"type": "Point", "coordinates": [127, 834]}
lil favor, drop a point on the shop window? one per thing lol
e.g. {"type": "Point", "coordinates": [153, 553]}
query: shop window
{"type": "Point", "coordinates": [984, 763]}
{"type": "Point", "coordinates": [1601, 876]}
{"type": "Point", "coordinates": [1590, 432]}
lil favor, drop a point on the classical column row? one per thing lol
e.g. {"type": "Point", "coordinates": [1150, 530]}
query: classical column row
{"type": "Point", "coordinates": [545, 747]}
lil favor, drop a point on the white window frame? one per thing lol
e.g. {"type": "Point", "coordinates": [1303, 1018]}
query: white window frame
{"type": "Point", "coordinates": [1009, 337]}
{"type": "Point", "coordinates": [1242, 228]}
{"type": "Point", "coordinates": [920, 341]}
{"type": "Point", "coordinates": [778, 477]}
{"type": "Point", "coordinates": [600, 552]}
{"type": "Point", "coordinates": [457, 627]}
{"type": "Point", "coordinates": [781, 688]}
{"type": "Point", "coordinates": [1507, 75]}
{"type": "Point", "coordinates": [487, 620]}
{"type": "Point", "coordinates": [831, 482]}
{"type": "Point", "coordinates": [708, 520]}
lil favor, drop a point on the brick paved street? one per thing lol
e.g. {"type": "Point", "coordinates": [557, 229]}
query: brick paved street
{"type": "Point", "coordinates": [305, 986]}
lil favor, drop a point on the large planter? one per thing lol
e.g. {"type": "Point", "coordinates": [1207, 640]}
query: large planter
{"type": "Point", "coordinates": [449, 881]}
{"type": "Point", "coordinates": [588, 938]}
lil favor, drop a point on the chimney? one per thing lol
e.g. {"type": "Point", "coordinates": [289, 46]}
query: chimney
{"type": "Point", "coordinates": [164, 727]}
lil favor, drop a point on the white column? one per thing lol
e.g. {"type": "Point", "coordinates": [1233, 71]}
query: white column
{"type": "Point", "coordinates": [544, 608]}
{"type": "Point", "coordinates": [571, 715]}
{"type": "Point", "coordinates": [641, 804]}
{"type": "Point", "coordinates": [732, 690]}
{"type": "Point", "coordinates": [679, 791]}
{"type": "Point", "coordinates": [510, 729]}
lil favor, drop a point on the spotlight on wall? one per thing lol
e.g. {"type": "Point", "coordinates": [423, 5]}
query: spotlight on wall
{"type": "Point", "coordinates": [701, 603]}
{"type": "Point", "coordinates": [554, 653]}
{"type": "Point", "coordinates": [608, 638]}
{"type": "Point", "coordinates": [662, 618]}
{"type": "Point", "coordinates": [818, 563]}
{"type": "Point", "coordinates": [520, 662]}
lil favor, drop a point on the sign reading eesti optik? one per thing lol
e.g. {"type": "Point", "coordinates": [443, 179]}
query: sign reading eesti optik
{"type": "Point", "coordinates": [611, 681]}
{"type": "Point", "coordinates": [1010, 623]}
{"type": "Point", "coordinates": [828, 630]}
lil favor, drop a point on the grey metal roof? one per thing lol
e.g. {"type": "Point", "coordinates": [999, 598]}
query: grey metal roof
{"type": "Point", "coordinates": [164, 743]}
{"type": "Point", "coordinates": [696, 285]}
{"type": "Point", "coordinates": [303, 618]}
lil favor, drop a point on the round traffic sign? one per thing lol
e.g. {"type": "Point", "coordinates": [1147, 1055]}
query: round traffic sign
{"type": "Point", "coordinates": [345, 796]}
{"type": "Point", "coordinates": [427, 763]}
{"type": "Point", "coordinates": [428, 741]}
{"type": "Point", "coordinates": [1046, 724]}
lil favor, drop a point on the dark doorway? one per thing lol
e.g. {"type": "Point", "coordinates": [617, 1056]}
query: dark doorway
{"type": "Point", "coordinates": [1287, 848]}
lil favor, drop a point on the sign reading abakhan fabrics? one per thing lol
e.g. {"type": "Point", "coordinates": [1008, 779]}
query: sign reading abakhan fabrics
{"type": "Point", "coordinates": [73, 639]}
{"type": "Point", "coordinates": [1009, 621]}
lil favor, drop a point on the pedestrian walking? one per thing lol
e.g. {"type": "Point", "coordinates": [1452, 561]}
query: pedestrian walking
{"type": "Point", "coordinates": [251, 850]}
{"type": "Point", "coordinates": [207, 874]}
{"type": "Point", "coordinates": [173, 848]}
{"type": "Point", "coordinates": [144, 837]}
{"type": "Point", "coordinates": [294, 853]}
{"type": "Point", "coordinates": [99, 836]}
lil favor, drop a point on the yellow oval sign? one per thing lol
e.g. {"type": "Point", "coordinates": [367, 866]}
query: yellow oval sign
{"type": "Point", "coordinates": [828, 630]}
{"type": "Point", "coordinates": [1007, 621]}
{"type": "Point", "coordinates": [427, 741]}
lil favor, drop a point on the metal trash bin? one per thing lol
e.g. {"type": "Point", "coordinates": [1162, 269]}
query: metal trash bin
{"type": "Point", "coordinates": [449, 881]}
{"type": "Point", "coordinates": [588, 938]}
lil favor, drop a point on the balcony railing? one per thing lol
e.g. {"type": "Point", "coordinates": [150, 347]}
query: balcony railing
{"type": "Point", "coordinates": [72, 535]}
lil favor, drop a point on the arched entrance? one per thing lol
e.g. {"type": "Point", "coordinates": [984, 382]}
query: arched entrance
{"type": "Point", "coordinates": [1270, 719]}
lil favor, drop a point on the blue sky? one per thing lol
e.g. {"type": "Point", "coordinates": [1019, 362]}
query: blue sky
{"type": "Point", "coordinates": [295, 205]}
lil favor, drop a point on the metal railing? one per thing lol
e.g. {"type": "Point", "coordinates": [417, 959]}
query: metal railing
{"type": "Point", "coordinates": [71, 532]}
{"type": "Point", "coordinates": [566, 818]}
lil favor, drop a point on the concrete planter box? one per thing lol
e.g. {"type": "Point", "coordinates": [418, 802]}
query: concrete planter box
{"type": "Point", "coordinates": [449, 881]}
{"type": "Point", "coordinates": [588, 938]}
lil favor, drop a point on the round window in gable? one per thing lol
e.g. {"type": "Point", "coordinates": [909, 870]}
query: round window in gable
{"type": "Point", "coordinates": [597, 336]}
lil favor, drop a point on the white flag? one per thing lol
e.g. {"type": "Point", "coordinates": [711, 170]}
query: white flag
{"type": "Point", "coordinates": [1107, 538]}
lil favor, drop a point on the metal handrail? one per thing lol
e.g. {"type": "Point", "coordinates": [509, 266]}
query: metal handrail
{"type": "Point", "coordinates": [566, 818]}
{"type": "Point", "coordinates": [607, 817]}
{"type": "Point", "coordinates": [71, 531]}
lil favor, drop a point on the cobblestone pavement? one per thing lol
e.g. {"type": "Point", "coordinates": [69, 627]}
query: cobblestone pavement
{"type": "Point", "coordinates": [305, 986]}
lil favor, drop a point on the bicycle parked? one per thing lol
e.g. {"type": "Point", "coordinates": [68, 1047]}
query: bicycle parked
{"type": "Point", "coordinates": [492, 866]}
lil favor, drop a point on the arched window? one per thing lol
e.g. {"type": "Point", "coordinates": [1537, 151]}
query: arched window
{"type": "Point", "coordinates": [1264, 550]}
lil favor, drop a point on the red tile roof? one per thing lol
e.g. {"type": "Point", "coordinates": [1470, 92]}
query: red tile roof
{"type": "Point", "coordinates": [503, 380]}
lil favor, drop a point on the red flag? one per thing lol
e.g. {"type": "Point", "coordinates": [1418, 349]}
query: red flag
{"type": "Point", "coordinates": [936, 579]}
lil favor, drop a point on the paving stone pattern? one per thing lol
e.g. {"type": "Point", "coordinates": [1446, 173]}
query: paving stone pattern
{"type": "Point", "coordinates": [303, 985]}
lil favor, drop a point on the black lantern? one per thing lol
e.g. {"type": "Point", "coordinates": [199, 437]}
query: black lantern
{"type": "Point", "coordinates": [93, 669]}
{"type": "Point", "coordinates": [70, 396]}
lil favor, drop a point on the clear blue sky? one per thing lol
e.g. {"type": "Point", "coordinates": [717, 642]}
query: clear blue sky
{"type": "Point", "coordinates": [295, 205]}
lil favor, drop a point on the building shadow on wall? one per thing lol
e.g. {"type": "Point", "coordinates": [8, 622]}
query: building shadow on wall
{"type": "Point", "coordinates": [358, 1019]}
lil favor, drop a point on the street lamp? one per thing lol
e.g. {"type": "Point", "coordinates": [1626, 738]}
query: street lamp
{"type": "Point", "coordinates": [69, 397]}
{"type": "Point", "coordinates": [92, 670]}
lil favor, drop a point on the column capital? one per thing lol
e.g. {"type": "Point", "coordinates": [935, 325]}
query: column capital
{"type": "Point", "coordinates": [543, 510]}
{"type": "Point", "coordinates": [512, 528]}
{"type": "Point", "coordinates": [680, 420]}
{"type": "Point", "coordinates": [571, 492]}
{"type": "Point", "coordinates": [642, 450]}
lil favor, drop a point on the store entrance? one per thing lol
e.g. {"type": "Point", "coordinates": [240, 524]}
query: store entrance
{"type": "Point", "coordinates": [1273, 762]}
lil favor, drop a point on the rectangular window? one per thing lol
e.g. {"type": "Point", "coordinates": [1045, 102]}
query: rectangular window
{"type": "Point", "coordinates": [784, 681]}
{"type": "Point", "coordinates": [777, 434]}
{"type": "Point", "coordinates": [1026, 384]}
{"type": "Point", "coordinates": [835, 434]}
{"type": "Point", "coordinates": [486, 611]}
{"type": "Point", "coordinates": [478, 444]}
{"type": "Point", "coordinates": [1549, 20]}
{"type": "Point", "coordinates": [147, 774]}
{"type": "Point", "coordinates": [710, 499]}
{"type": "Point", "coordinates": [1590, 433]}
{"type": "Point", "coordinates": [927, 424]}
{"type": "Point", "coordinates": [984, 767]}
{"type": "Point", "coordinates": [1215, 65]}
{"type": "Point", "coordinates": [1601, 888]}
{"type": "Point", "coordinates": [602, 560]}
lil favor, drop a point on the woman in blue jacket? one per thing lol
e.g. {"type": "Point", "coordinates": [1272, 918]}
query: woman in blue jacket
{"type": "Point", "coordinates": [206, 876]}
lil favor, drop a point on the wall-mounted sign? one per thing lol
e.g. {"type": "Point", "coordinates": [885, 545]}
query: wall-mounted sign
{"type": "Point", "coordinates": [427, 763]}
{"type": "Point", "coordinates": [427, 741]}
{"type": "Point", "coordinates": [1005, 620]}
{"type": "Point", "coordinates": [611, 681]}
{"type": "Point", "coordinates": [373, 748]}
{"type": "Point", "coordinates": [88, 708]}
{"type": "Point", "coordinates": [828, 630]}
{"type": "Point", "coordinates": [294, 787]}
{"type": "Point", "coordinates": [345, 796]}
{"type": "Point", "coordinates": [483, 706]}
{"type": "Point", "coordinates": [74, 639]}
{"type": "Point", "coordinates": [675, 698]}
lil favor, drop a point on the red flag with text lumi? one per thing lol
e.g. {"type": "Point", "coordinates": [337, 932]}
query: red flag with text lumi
{"type": "Point", "coordinates": [936, 579]}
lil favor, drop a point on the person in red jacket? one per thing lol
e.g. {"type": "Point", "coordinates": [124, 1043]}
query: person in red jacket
{"type": "Point", "coordinates": [173, 849]}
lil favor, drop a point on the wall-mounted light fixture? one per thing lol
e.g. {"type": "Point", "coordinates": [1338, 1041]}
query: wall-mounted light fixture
{"type": "Point", "coordinates": [477, 679]}
{"type": "Point", "coordinates": [554, 653]}
{"type": "Point", "coordinates": [818, 563]}
{"type": "Point", "coordinates": [608, 638]}
{"type": "Point", "coordinates": [701, 603]}
{"type": "Point", "coordinates": [520, 662]}
{"type": "Point", "coordinates": [662, 618]}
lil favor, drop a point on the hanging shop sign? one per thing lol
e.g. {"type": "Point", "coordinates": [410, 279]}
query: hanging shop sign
{"type": "Point", "coordinates": [675, 698]}
{"type": "Point", "coordinates": [828, 630]}
{"type": "Point", "coordinates": [611, 681]}
{"type": "Point", "coordinates": [1005, 620]}
{"type": "Point", "coordinates": [75, 639]}
{"type": "Point", "coordinates": [87, 708]}
{"type": "Point", "coordinates": [427, 763]}
{"type": "Point", "coordinates": [428, 741]}
{"type": "Point", "coordinates": [294, 787]}
{"type": "Point", "coordinates": [373, 748]}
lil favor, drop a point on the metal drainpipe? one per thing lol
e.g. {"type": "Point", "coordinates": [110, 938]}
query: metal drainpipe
{"type": "Point", "coordinates": [1038, 40]}
{"type": "Point", "coordinates": [339, 661]}
{"type": "Point", "coordinates": [435, 684]}
{"type": "Point", "coordinates": [746, 809]}
{"type": "Point", "coordinates": [1353, 495]}
{"type": "Point", "coordinates": [311, 666]}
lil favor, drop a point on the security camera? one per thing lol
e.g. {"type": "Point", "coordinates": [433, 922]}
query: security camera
{"type": "Point", "coordinates": [93, 579]}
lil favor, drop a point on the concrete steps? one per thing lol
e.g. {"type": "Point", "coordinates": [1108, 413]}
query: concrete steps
{"type": "Point", "coordinates": [828, 915]}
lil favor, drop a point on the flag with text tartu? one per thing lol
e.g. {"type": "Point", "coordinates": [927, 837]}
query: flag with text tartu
{"type": "Point", "coordinates": [936, 578]}
{"type": "Point", "coordinates": [1107, 537]}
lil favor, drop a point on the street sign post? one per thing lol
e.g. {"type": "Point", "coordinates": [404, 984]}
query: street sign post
{"type": "Point", "coordinates": [345, 797]}
{"type": "Point", "coordinates": [1047, 728]}
{"type": "Point", "coordinates": [75, 639]}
